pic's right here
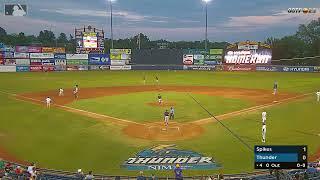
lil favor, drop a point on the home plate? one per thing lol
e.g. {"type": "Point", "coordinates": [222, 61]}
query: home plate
{"type": "Point", "coordinates": [275, 101]}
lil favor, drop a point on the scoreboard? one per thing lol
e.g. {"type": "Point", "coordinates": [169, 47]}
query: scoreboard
{"type": "Point", "coordinates": [281, 157]}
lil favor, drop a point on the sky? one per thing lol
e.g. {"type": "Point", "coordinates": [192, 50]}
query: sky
{"type": "Point", "coordinates": [174, 20]}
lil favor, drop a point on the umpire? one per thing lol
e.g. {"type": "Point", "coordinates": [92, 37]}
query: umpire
{"type": "Point", "coordinates": [171, 113]}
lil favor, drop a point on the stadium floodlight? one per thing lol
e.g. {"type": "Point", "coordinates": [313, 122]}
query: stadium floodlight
{"type": "Point", "coordinates": [206, 33]}
{"type": "Point", "coordinates": [111, 23]}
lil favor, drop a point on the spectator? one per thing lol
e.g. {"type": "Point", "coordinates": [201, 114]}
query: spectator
{"type": "Point", "coordinates": [6, 177]}
{"type": "Point", "coordinates": [178, 172]}
{"type": "Point", "coordinates": [89, 176]}
{"type": "Point", "coordinates": [153, 177]}
{"type": "Point", "coordinates": [1, 167]}
{"type": "Point", "coordinates": [31, 168]}
{"type": "Point", "coordinates": [80, 174]}
{"type": "Point", "coordinates": [19, 172]}
{"type": "Point", "coordinates": [141, 177]}
{"type": "Point", "coordinates": [8, 167]}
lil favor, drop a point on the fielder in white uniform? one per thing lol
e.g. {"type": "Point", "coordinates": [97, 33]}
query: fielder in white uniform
{"type": "Point", "coordinates": [264, 126]}
{"type": "Point", "coordinates": [48, 102]}
{"type": "Point", "coordinates": [318, 95]}
{"type": "Point", "coordinates": [61, 92]}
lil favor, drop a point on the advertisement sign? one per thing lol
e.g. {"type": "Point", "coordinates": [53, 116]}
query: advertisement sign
{"type": "Point", "coordinates": [260, 56]}
{"type": "Point", "coordinates": [48, 62]}
{"type": "Point", "coordinates": [120, 54]}
{"type": "Point", "coordinates": [22, 61]}
{"type": "Point", "coordinates": [77, 62]}
{"type": "Point", "coordinates": [22, 49]}
{"type": "Point", "coordinates": [59, 50]}
{"type": "Point", "coordinates": [77, 56]}
{"type": "Point", "coordinates": [98, 59]}
{"type": "Point", "coordinates": [212, 62]}
{"type": "Point", "coordinates": [60, 56]}
{"type": "Point", "coordinates": [297, 69]}
{"type": "Point", "coordinates": [155, 67]}
{"type": "Point", "coordinates": [59, 62]}
{"type": "Point", "coordinates": [199, 68]}
{"type": "Point", "coordinates": [115, 56]}
{"type": "Point", "coordinates": [10, 62]}
{"type": "Point", "coordinates": [120, 51]}
{"type": "Point", "coordinates": [269, 68]}
{"type": "Point", "coordinates": [239, 68]}
{"type": "Point", "coordinates": [316, 69]}
{"type": "Point", "coordinates": [103, 67]}
{"type": "Point", "coordinates": [42, 55]}
{"type": "Point", "coordinates": [47, 68]}
{"type": "Point", "coordinates": [216, 51]}
{"type": "Point", "coordinates": [34, 49]}
{"type": "Point", "coordinates": [36, 68]}
{"type": "Point", "coordinates": [116, 68]}
{"type": "Point", "coordinates": [21, 55]}
{"type": "Point", "coordinates": [60, 68]}
{"type": "Point", "coordinates": [118, 62]}
{"type": "Point", "coordinates": [195, 51]}
{"type": "Point", "coordinates": [72, 68]}
{"type": "Point", "coordinates": [7, 54]}
{"type": "Point", "coordinates": [7, 68]}
{"type": "Point", "coordinates": [22, 68]}
{"type": "Point", "coordinates": [165, 157]}
{"type": "Point", "coordinates": [35, 62]}
{"type": "Point", "coordinates": [47, 49]}
{"type": "Point", "coordinates": [2, 61]}
{"type": "Point", "coordinates": [188, 59]}
{"type": "Point", "coordinates": [90, 40]}
{"type": "Point", "coordinates": [9, 48]}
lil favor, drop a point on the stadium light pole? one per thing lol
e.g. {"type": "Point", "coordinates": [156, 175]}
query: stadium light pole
{"type": "Point", "coordinates": [111, 23]}
{"type": "Point", "coordinates": [206, 31]}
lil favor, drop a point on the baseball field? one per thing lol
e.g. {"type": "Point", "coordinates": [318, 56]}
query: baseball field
{"type": "Point", "coordinates": [117, 116]}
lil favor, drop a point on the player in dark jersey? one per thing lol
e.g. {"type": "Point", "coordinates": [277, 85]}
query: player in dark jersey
{"type": "Point", "coordinates": [171, 113]}
{"type": "Point", "coordinates": [159, 99]}
{"type": "Point", "coordinates": [166, 118]}
{"type": "Point", "coordinates": [157, 79]}
{"type": "Point", "coordinates": [275, 87]}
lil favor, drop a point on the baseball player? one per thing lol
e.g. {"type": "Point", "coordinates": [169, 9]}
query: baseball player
{"type": "Point", "coordinates": [264, 126]}
{"type": "Point", "coordinates": [61, 92]}
{"type": "Point", "coordinates": [275, 88]}
{"type": "Point", "coordinates": [157, 79]}
{"type": "Point", "coordinates": [166, 118]}
{"type": "Point", "coordinates": [318, 95]}
{"type": "Point", "coordinates": [171, 114]}
{"type": "Point", "coordinates": [144, 79]}
{"type": "Point", "coordinates": [76, 91]}
{"type": "Point", "coordinates": [159, 99]}
{"type": "Point", "coordinates": [48, 102]}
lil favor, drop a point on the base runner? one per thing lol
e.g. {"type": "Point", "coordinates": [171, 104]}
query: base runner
{"type": "Point", "coordinates": [264, 126]}
{"type": "Point", "coordinates": [48, 102]}
{"type": "Point", "coordinates": [159, 99]}
{"type": "Point", "coordinates": [61, 93]}
{"type": "Point", "coordinates": [76, 91]}
{"type": "Point", "coordinates": [318, 95]}
{"type": "Point", "coordinates": [166, 118]}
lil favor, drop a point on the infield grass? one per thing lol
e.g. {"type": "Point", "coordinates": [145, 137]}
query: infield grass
{"type": "Point", "coordinates": [135, 107]}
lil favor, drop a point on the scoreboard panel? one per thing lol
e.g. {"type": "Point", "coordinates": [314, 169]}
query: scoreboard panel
{"type": "Point", "coordinates": [281, 157]}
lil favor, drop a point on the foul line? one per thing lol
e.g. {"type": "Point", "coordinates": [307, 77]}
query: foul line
{"type": "Point", "coordinates": [250, 109]}
{"type": "Point", "coordinates": [79, 111]}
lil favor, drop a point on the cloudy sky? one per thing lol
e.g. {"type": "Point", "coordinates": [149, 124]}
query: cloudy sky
{"type": "Point", "coordinates": [228, 20]}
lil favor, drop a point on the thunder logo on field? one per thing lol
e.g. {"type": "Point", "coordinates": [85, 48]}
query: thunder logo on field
{"type": "Point", "coordinates": [164, 157]}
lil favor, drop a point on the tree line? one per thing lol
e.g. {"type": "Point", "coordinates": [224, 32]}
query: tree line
{"type": "Point", "coordinates": [305, 42]}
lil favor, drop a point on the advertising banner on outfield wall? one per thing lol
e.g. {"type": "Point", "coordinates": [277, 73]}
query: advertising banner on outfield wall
{"type": "Point", "coordinates": [7, 54]}
{"type": "Point", "coordinates": [41, 55]}
{"type": "Point", "coordinates": [36, 68]}
{"type": "Point", "coordinates": [48, 68]}
{"type": "Point", "coordinates": [22, 49]}
{"type": "Point", "coordinates": [34, 49]}
{"type": "Point", "coordinates": [95, 67]}
{"type": "Point", "coordinates": [47, 62]}
{"type": "Point", "coordinates": [199, 68]}
{"type": "Point", "coordinates": [10, 62]}
{"type": "Point", "coordinates": [60, 68]}
{"type": "Point", "coordinates": [77, 62]}
{"type": "Point", "coordinates": [7, 68]}
{"type": "Point", "coordinates": [23, 68]}
{"type": "Point", "coordinates": [118, 62]}
{"type": "Point", "coordinates": [98, 59]}
{"type": "Point", "coordinates": [155, 67]}
{"type": "Point", "coordinates": [21, 55]}
{"type": "Point", "coordinates": [297, 69]}
{"type": "Point", "coordinates": [59, 62]}
{"type": "Point", "coordinates": [60, 56]}
{"type": "Point", "coordinates": [316, 69]}
{"type": "Point", "coordinates": [269, 68]}
{"type": "Point", "coordinates": [239, 68]}
{"type": "Point", "coordinates": [188, 59]}
{"type": "Point", "coordinates": [117, 68]}
{"type": "Point", "coordinates": [35, 62]}
{"type": "Point", "coordinates": [59, 50]}
{"type": "Point", "coordinates": [77, 56]}
{"type": "Point", "coordinates": [2, 61]}
{"type": "Point", "coordinates": [47, 49]}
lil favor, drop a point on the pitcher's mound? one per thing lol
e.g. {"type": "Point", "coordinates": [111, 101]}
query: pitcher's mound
{"type": "Point", "coordinates": [163, 104]}
{"type": "Point", "coordinates": [157, 131]}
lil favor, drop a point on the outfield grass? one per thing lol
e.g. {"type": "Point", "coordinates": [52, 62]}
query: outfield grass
{"type": "Point", "coordinates": [135, 107]}
{"type": "Point", "coordinates": [62, 140]}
